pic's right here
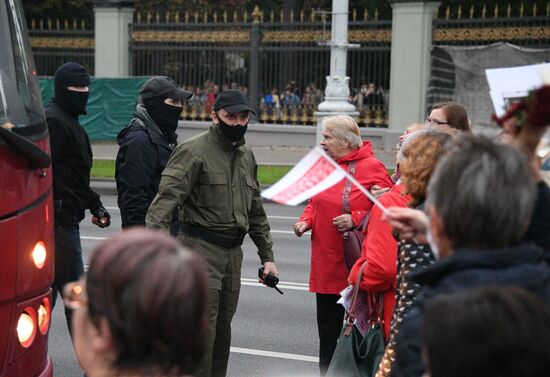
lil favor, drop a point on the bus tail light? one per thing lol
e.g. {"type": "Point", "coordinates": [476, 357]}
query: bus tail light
{"type": "Point", "coordinates": [39, 254]}
{"type": "Point", "coordinates": [26, 328]}
{"type": "Point", "coordinates": [44, 316]}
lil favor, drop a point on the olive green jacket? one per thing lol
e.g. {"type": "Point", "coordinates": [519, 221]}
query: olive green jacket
{"type": "Point", "coordinates": [214, 184]}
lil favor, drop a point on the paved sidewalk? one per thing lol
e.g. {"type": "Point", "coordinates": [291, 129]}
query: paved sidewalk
{"type": "Point", "coordinates": [265, 155]}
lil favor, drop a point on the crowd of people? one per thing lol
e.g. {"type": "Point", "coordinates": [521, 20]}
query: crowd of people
{"type": "Point", "coordinates": [459, 256]}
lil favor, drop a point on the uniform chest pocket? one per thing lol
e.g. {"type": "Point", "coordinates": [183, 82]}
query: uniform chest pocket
{"type": "Point", "coordinates": [250, 185]}
{"type": "Point", "coordinates": [214, 190]}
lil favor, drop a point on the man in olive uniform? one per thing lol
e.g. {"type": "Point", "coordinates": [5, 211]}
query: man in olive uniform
{"type": "Point", "coordinates": [212, 179]}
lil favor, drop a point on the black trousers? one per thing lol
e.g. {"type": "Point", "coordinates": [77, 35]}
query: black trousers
{"type": "Point", "coordinates": [330, 317]}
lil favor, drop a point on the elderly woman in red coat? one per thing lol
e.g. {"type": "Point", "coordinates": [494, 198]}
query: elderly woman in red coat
{"type": "Point", "coordinates": [325, 217]}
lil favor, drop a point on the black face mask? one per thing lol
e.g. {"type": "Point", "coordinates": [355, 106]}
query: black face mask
{"type": "Point", "coordinates": [233, 133]}
{"type": "Point", "coordinates": [164, 115]}
{"type": "Point", "coordinates": [71, 101]}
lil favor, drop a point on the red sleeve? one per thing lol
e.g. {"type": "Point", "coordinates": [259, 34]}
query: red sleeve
{"type": "Point", "coordinates": [380, 252]}
{"type": "Point", "coordinates": [307, 215]}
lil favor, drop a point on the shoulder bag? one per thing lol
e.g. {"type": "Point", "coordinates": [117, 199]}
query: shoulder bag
{"type": "Point", "coordinates": [352, 239]}
{"type": "Point", "coordinates": [355, 355]}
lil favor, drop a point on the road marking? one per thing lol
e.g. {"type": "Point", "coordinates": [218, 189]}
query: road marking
{"type": "Point", "coordinates": [279, 355]}
{"type": "Point", "coordinates": [93, 238]}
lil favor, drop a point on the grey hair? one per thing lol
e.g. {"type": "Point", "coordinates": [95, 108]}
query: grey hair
{"type": "Point", "coordinates": [484, 193]}
{"type": "Point", "coordinates": [344, 127]}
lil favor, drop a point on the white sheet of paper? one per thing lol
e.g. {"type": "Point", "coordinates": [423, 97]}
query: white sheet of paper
{"type": "Point", "coordinates": [514, 82]}
{"type": "Point", "coordinates": [361, 308]}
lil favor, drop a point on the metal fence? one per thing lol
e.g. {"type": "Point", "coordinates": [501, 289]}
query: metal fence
{"type": "Point", "coordinates": [281, 63]}
{"type": "Point", "coordinates": [55, 42]}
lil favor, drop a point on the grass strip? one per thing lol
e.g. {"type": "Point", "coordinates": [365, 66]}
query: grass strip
{"type": "Point", "coordinates": [267, 174]}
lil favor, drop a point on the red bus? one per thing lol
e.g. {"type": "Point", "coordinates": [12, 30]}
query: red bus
{"type": "Point", "coordinates": [26, 215]}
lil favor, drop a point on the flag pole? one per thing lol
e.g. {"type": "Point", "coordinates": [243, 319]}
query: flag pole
{"type": "Point", "coordinates": [354, 181]}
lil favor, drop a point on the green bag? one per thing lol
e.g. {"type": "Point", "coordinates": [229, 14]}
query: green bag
{"type": "Point", "coordinates": [355, 355]}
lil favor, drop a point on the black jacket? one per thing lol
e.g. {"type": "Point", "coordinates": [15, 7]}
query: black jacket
{"type": "Point", "coordinates": [525, 266]}
{"type": "Point", "coordinates": [142, 156]}
{"type": "Point", "coordinates": [71, 163]}
{"type": "Point", "coordinates": [539, 229]}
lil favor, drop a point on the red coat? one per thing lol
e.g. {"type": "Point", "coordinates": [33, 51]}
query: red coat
{"type": "Point", "coordinates": [380, 252]}
{"type": "Point", "coordinates": [328, 273]}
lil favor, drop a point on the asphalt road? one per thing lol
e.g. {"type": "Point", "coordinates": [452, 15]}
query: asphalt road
{"type": "Point", "coordinates": [273, 335]}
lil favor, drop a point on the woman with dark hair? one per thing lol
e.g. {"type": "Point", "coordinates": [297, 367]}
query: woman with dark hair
{"type": "Point", "coordinates": [141, 308]}
{"type": "Point", "coordinates": [489, 331]}
{"type": "Point", "coordinates": [449, 114]}
{"type": "Point", "coordinates": [420, 154]}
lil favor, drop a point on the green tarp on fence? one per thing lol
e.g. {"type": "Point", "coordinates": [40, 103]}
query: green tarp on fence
{"type": "Point", "coordinates": [111, 105]}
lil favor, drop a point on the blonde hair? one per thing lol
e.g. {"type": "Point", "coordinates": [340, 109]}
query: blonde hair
{"type": "Point", "coordinates": [344, 127]}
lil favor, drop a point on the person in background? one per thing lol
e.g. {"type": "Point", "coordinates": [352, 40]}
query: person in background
{"type": "Point", "coordinates": [420, 154]}
{"type": "Point", "coordinates": [212, 179]}
{"type": "Point", "coordinates": [449, 114]}
{"type": "Point", "coordinates": [326, 217]}
{"type": "Point", "coordinates": [141, 309]}
{"type": "Point", "coordinates": [71, 163]}
{"type": "Point", "coordinates": [145, 147]}
{"type": "Point", "coordinates": [489, 331]}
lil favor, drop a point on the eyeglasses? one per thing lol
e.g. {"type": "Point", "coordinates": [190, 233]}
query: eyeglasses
{"type": "Point", "coordinates": [429, 121]}
{"type": "Point", "coordinates": [74, 294]}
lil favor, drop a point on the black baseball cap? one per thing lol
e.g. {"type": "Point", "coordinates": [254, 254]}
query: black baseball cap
{"type": "Point", "coordinates": [163, 86]}
{"type": "Point", "coordinates": [232, 101]}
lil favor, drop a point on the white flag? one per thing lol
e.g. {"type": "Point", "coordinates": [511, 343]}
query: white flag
{"type": "Point", "coordinates": [314, 173]}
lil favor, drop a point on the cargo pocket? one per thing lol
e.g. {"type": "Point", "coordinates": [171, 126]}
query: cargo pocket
{"type": "Point", "coordinates": [249, 191]}
{"type": "Point", "coordinates": [214, 190]}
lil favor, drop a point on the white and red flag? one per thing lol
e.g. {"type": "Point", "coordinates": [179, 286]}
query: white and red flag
{"type": "Point", "coordinates": [314, 173]}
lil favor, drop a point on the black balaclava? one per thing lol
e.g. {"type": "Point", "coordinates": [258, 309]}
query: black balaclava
{"type": "Point", "coordinates": [71, 74]}
{"type": "Point", "coordinates": [165, 116]}
{"type": "Point", "coordinates": [233, 133]}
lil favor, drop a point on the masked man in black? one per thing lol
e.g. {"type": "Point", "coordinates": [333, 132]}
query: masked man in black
{"type": "Point", "coordinates": [71, 163]}
{"type": "Point", "coordinates": [145, 146]}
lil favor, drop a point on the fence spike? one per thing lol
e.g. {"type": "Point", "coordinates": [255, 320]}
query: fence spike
{"type": "Point", "coordinates": [245, 15]}
{"type": "Point", "coordinates": [138, 17]}
{"type": "Point", "coordinates": [205, 17]}
{"type": "Point", "coordinates": [33, 23]}
{"type": "Point", "coordinates": [508, 11]}
{"type": "Point", "coordinates": [483, 11]}
{"type": "Point", "coordinates": [74, 23]}
{"type": "Point", "coordinates": [177, 17]}
{"type": "Point", "coordinates": [186, 17]}
{"type": "Point", "coordinates": [291, 15]}
{"type": "Point", "coordinates": [272, 16]}
{"type": "Point", "coordinates": [82, 25]}
{"type": "Point", "coordinates": [57, 24]}
{"type": "Point", "coordinates": [41, 24]}
{"type": "Point", "coordinates": [376, 14]}
{"type": "Point", "coordinates": [534, 9]}
{"type": "Point", "coordinates": [167, 17]}
{"type": "Point", "coordinates": [149, 16]}
{"type": "Point", "coordinates": [459, 12]}
{"type": "Point", "coordinates": [282, 16]}
{"type": "Point", "coordinates": [366, 15]}
{"type": "Point", "coordinates": [49, 24]}
{"type": "Point", "coordinates": [235, 16]}
{"type": "Point", "coordinates": [66, 24]}
{"type": "Point", "coordinates": [302, 16]}
{"type": "Point", "coordinates": [354, 15]}
{"type": "Point", "coordinates": [157, 17]}
{"type": "Point", "coordinates": [196, 17]}
{"type": "Point", "coordinates": [521, 10]}
{"type": "Point", "coordinates": [224, 16]}
{"type": "Point", "coordinates": [471, 11]}
{"type": "Point", "coordinates": [257, 15]}
{"type": "Point", "coordinates": [547, 8]}
{"type": "Point", "coordinates": [448, 12]}
{"type": "Point", "coordinates": [496, 11]}
{"type": "Point", "coordinates": [312, 16]}
{"type": "Point", "coordinates": [215, 17]}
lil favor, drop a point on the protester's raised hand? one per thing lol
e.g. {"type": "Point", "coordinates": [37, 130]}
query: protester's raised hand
{"type": "Point", "coordinates": [408, 224]}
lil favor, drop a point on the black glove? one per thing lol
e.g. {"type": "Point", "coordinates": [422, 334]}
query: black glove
{"type": "Point", "coordinates": [101, 217]}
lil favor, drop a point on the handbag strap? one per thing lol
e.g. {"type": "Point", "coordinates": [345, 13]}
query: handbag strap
{"type": "Point", "coordinates": [351, 314]}
{"type": "Point", "coordinates": [347, 187]}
